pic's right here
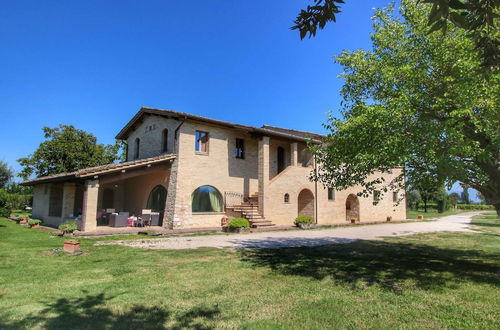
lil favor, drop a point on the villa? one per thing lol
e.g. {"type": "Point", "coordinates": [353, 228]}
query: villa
{"type": "Point", "coordinates": [191, 171]}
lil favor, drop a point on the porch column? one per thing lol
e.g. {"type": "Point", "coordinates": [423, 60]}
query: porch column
{"type": "Point", "coordinates": [68, 204]}
{"type": "Point", "coordinates": [263, 171]}
{"type": "Point", "coordinates": [294, 153]}
{"type": "Point", "coordinates": [89, 212]}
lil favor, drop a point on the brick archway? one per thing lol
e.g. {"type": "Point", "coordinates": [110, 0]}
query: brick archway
{"type": "Point", "coordinates": [306, 203]}
{"type": "Point", "coordinates": [352, 208]}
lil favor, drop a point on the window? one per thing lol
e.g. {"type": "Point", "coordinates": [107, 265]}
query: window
{"type": "Point", "coordinates": [206, 199]}
{"type": "Point", "coordinates": [376, 196]}
{"type": "Point", "coordinates": [164, 140]}
{"type": "Point", "coordinates": [286, 198]}
{"type": "Point", "coordinates": [201, 144]}
{"type": "Point", "coordinates": [240, 148]}
{"type": "Point", "coordinates": [331, 194]}
{"type": "Point", "coordinates": [395, 196]}
{"type": "Point", "coordinates": [157, 198]}
{"type": "Point", "coordinates": [55, 200]}
{"type": "Point", "coordinates": [137, 145]}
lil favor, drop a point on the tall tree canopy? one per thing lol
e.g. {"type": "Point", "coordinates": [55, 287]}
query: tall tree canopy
{"type": "Point", "coordinates": [419, 100]}
{"type": "Point", "coordinates": [478, 17]}
{"type": "Point", "coordinates": [67, 149]}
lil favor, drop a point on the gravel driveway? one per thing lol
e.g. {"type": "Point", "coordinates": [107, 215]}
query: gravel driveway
{"type": "Point", "coordinates": [294, 238]}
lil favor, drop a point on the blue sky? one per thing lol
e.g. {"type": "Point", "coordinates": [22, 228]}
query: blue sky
{"type": "Point", "coordinates": [92, 64]}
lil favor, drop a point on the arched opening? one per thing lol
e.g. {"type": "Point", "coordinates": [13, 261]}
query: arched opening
{"type": "Point", "coordinates": [206, 199]}
{"type": "Point", "coordinates": [156, 201]}
{"type": "Point", "coordinates": [137, 146]}
{"type": "Point", "coordinates": [281, 159]}
{"type": "Point", "coordinates": [352, 208]}
{"type": "Point", "coordinates": [164, 140]}
{"type": "Point", "coordinates": [306, 203]}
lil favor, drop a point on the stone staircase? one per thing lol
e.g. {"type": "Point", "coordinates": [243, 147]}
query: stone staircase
{"type": "Point", "coordinates": [250, 211]}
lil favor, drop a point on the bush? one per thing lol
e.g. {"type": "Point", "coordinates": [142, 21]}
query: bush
{"type": "Point", "coordinates": [474, 207]}
{"type": "Point", "coordinates": [32, 222]}
{"type": "Point", "coordinates": [68, 227]}
{"type": "Point", "coordinates": [303, 219]}
{"type": "Point", "coordinates": [5, 212]}
{"type": "Point", "coordinates": [5, 208]}
{"type": "Point", "coordinates": [239, 223]}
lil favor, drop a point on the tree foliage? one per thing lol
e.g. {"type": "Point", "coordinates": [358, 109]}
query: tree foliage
{"type": "Point", "coordinates": [6, 174]}
{"type": "Point", "coordinates": [67, 149]}
{"type": "Point", "coordinates": [416, 99]}
{"type": "Point", "coordinates": [478, 17]}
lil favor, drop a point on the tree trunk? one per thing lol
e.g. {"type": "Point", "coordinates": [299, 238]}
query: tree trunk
{"type": "Point", "coordinates": [425, 205]}
{"type": "Point", "coordinates": [497, 208]}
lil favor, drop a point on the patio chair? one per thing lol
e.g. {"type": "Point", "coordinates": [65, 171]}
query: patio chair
{"type": "Point", "coordinates": [119, 220]}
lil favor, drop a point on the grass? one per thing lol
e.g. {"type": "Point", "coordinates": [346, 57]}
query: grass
{"type": "Point", "coordinates": [440, 280]}
{"type": "Point", "coordinates": [431, 213]}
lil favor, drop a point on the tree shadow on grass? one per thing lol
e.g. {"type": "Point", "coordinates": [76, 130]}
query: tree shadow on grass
{"type": "Point", "coordinates": [385, 264]}
{"type": "Point", "coordinates": [89, 312]}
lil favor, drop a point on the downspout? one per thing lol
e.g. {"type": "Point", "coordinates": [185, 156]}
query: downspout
{"type": "Point", "coordinates": [176, 134]}
{"type": "Point", "coordinates": [315, 191]}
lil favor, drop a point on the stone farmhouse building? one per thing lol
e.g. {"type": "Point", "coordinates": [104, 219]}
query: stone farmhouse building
{"type": "Point", "coordinates": [194, 170]}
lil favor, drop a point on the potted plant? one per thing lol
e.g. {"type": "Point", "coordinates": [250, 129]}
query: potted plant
{"type": "Point", "coordinates": [353, 220]}
{"type": "Point", "coordinates": [68, 227]}
{"type": "Point", "coordinates": [34, 223]}
{"type": "Point", "coordinates": [23, 221]}
{"type": "Point", "coordinates": [420, 217]}
{"type": "Point", "coordinates": [304, 222]}
{"type": "Point", "coordinates": [389, 218]}
{"type": "Point", "coordinates": [71, 246]}
{"type": "Point", "coordinates": [238, 225]}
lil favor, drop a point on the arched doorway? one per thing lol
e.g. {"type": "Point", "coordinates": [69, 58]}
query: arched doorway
{"type": "Point", "coordinates": [305, 203]}
{"type": "Point", "coordinates": [352, 208]}
{"type": "Point", "coordinates": [156, 201]}
{"type": "Point", "coordinates": [281, 159]}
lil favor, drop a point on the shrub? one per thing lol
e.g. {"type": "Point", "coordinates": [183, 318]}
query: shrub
{"type": "Point", "coordinates": [239, 223]}
{"type": "Point", "coordinates": [5, 208]}
{"type": "Point", "coordinates": [303, 219]}
{"type": "Point", "coordinates": [68, 227]}
{"type": "Point", "coordinates": [5, 212]}
{"type": "Point", "coordinates": [32, 222]}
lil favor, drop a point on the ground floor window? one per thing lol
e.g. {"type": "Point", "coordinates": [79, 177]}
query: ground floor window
{"type": "Point", "coordinates": [157, 199]}
{"type": "Point", "coordinates": [55, 200]}
{"type": "Point", "coordinates": [206, 199]}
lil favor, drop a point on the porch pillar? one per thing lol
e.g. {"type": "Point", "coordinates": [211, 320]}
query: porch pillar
{"type": "Point", "coordinates": [294, 153]}
{"type": "Point", "coordinates": [68, 204]}
{"type": "Point", "coordinates": [89, 212]}
{"type": "Point", "coordinates": [263, 171]}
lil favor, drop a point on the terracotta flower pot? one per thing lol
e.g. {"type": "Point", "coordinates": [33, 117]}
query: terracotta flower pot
{"type": "Point", "coordinates": [389, 218]}
{"type": "Point", "coordinates": [71, 246]}
{"type": "Point", "coordinates": [36, 226]}
{"type": "Point", "coordinates": [353, 220]}
{"type": "Point", "coordinates": [420, 217]}
{"type": "Point", "coordinates": [23, 221]}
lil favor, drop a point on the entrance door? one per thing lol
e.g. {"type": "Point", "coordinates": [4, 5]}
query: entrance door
{"type": "Point", "coordinates": [306, 203]}
{"type": "Point", "coordinates": [156, 201]}
{"type": "Point", "coordinates": [281, 159]}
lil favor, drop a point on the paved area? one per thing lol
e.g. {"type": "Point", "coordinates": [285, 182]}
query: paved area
{"type": "Point", "coordinates": [280, 239]}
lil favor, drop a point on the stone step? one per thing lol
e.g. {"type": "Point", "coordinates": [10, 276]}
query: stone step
{"type": "Point", "coordinates": [258, 225]}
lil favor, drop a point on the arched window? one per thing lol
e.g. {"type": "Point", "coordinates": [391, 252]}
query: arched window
{"type": "Point", "coordinates": [157, 199]}
{"type": "Point", "coordinates": [137, 146]}
{"type": "Point", "coordinates": [206, 199]}
{"type": "Point", "coordinates": [164, 140]}
{"type": "Point", "coordinates": [286, 198]}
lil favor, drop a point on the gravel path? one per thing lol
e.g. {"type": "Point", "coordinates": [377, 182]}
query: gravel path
{"type": "Point", "coordinates": [279, 239]}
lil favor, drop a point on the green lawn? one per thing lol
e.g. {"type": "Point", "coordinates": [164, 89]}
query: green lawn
{"type": "Point", "coordinates": [431, 213]}
{"type": "Point", "coordinates": [441, 280]}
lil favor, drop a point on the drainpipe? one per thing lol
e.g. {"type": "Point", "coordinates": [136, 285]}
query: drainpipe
{"type": "Point", "coordinates": [315, 191]}
{"type": "Point", "coordinates": [176, 136]}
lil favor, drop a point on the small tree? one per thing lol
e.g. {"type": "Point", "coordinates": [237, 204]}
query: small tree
{"type": "Point", "coordinates": [454, 198]}
{"type": "Point", "coordinates": [6, 174]}
{"type": "Point", "coordinates": [413, 198]}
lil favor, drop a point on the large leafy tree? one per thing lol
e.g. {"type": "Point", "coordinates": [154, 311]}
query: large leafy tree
{"type": "Point", "coordinates": [478, 17]}
{"type": "Point", "coordinates": [419, 100]}
{"type": "Point", "coordinates": [67, 149]}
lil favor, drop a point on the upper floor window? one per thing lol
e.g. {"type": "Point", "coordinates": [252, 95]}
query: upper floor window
{"type": "Point", "coordinates": [376, 196]}
{"type": "Point", "coordinates": [331, 194]}
{"type": "Point", "coordinates": [164, 140]}
{"type": "Point", "coordinates": [137, 146]}
{"type": "Point", "coordinates": [240, 148]}
{"type": "Point", "coordinates": [201, 143]}
{"type": "Point", "coordinates": [395, 196]}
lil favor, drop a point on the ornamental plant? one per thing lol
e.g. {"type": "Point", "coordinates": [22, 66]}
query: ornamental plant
{"type": "Point", "coordinates": [303, 219]}
{"type": "Point", "coordinates": [33, 222]}
{"type": "Point", "coordinates": [68, 227]}
{"type": "Point", "coordinates": [239, 223]}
